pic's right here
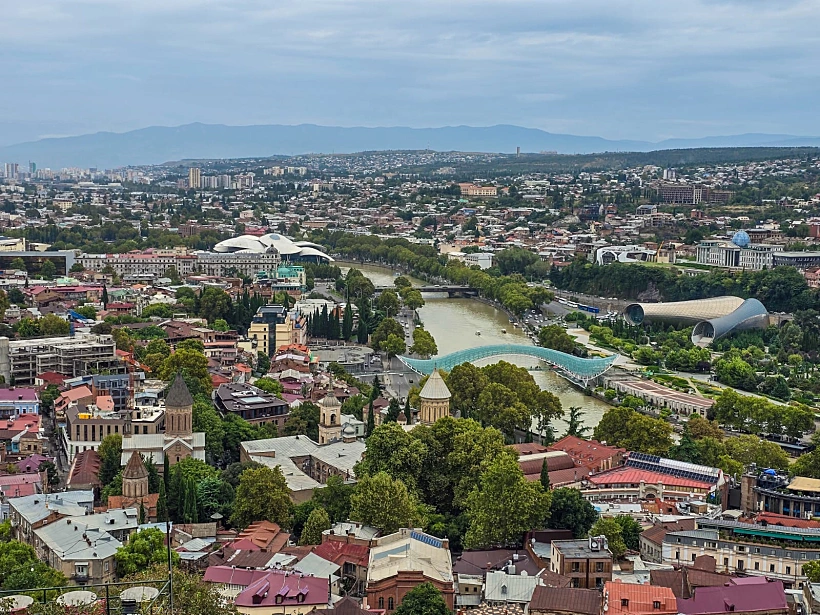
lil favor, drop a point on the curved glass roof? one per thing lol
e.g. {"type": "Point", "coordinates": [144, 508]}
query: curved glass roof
{"type": "Point", "coordinates": [750, 315]}
{"type": "Point", "coordinates": [583, 369]}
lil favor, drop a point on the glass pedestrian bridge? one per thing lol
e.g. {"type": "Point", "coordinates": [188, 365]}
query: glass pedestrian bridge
{"type": "Point", "coordinates": [582, 370]}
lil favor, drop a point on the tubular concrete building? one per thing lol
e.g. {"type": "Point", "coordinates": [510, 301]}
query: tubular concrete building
{"type": "Point", "coordinates": [712, 318]}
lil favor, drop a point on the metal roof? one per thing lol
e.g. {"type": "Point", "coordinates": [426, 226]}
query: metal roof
{"type": "Point", "coordinates": [435, 387]}
{"type": "Point", "coordinates": [583, 369]}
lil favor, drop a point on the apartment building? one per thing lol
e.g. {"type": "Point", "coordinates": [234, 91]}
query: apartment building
{"type": "Point", "coordinates": [270, 327]}
{"type": "Point", "coordinates": [225, 264]}
{"type": "Point", "coordinates": [252, 404]}
{"type": "Point", "coordinates": [73, 356]}
{"type": "Point", "coordinates": [478, 191]}
{"type": "Point", "coordinates": [773, 551]}
{"type": "Point", "coordinates": [774, 493]}
{"type": "Point", "coordinates": [800, 260]}
{"type": "Point", "coordinates": [587, 562]}
{"type": "Point", "coordinates": [131, 263]}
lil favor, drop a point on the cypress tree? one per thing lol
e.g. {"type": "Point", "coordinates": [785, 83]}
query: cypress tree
{"type": "Point", "coordinates": [347, 323]}
{"type": "Point", "coordinates": [334, 332]}
{"type": "Point", "coordinates": [166, 471]}
{"type": "Point", "coordinates": [324, 323]}
{"type": "Point", "coordinates": [371, 421]}
{"type": "Point", "coordinates": [105, 297]}
{"type": "Point", "coordinates": [361, 331]}
{"type": "Point", "coordinates": [162, 504]}
{"type": "Point", "coordinates": [545, 475]}
{"type": "Point", "coordinates": [141, 518]}
{"type": "Point", "coordinates": [190, 509]}
{"type": "Point", "coordinates": [407, 411]}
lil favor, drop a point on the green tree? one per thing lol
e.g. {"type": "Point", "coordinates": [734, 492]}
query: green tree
{"type": "Point", "coordinates": [750, 449]}
{"type": "Point", "coordinates": [214, 303]}
{"type": "Point", "coordinates": [610, 528]}
{"type": "Point", "coordinates": [504, 506]}
{"type": "Point", "coordinates": [317, 522]}
{"type": "Point", "coordinates": [347, 323]}
{"type": "Point", "coordinates": [807, 464]}
{"type": "Point", "coordinates": [569, 510]}
{"type": "Point", "coordinates": [423, 343]}
{"type": "Point", "coordinates": [575, 423]}
{"type": "Point", "coordinates": [393, 345]}
{"type": "Point", "coordinates": [424, 599]}
{"type": "Point", "coordinates": [388, 303]}
{"type": "Point", "coordinates": [633, 431]}
{"type": "Point", "coordinates": [269, 385]}
{"type": "Point", "coordinates": [220, 324]}
{"type": "Point", "coordinates": [28, 327]}
{"type": "Point", "coordinates": [303, 420]}
{"type": "Point", "coordinates": [159, 310]}
{"type": "Point", "coordinates": [110, 452]}
{"type": "Point", "coordinates": [87, 311]}
{"type": "Point", "coordinates": [413, 300]}
{"type": "Point", "coordinates": [384, 503]}
{"type": "Point", "coordinates": [545, 475]}
{"type": "Point", "coordinates": [392, 450]}
{"type": "Point", "coordinates": [334, 498]}
{"type": "Point", "coordinates": [48, 270]}
{"type": "Point", "coordinates": [18, 264]}
{"type": "Point", "coordinates": [811, 570]}
{"type": "Point", "coordinates": [556, 338]}
{"type": "Point", "coordinates": [144, 548]}
{"type": "Point", "coordinates": [402, 282]}
{"type": "Point", "coordinates": [192, 595]}
{"type": "Point", "coordinates": [194, 369]}
{"type": "Point", "coordinates": [52, 325]}
{"type": "Point", "coordinates": [20, 568]}
{"type": "Point", "coordinates": [262, 363]}
{"type": "Point", "coordinates": [262, 494]}
{"type": "Point", "coordinates": [386, 328]}
{"type": "Point", "coordinates": [371, 420]}
{"type": "Point", "coordinates": [466, 381]}
{"type": "Point", "coordinates": [51, 472]}
{"type": "Point", "coordinates": [630, 531]}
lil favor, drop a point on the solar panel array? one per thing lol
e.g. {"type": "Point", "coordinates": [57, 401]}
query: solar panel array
{"type": "Point", "coordinates": [653, 463]}
{"type": "Point", "coordinates": [426, 539]}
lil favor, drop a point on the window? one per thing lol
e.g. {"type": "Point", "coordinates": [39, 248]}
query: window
{"type": "Point", "coordinates": [740, 564]}
{"type": "Point", "coordinates": [741, 549]}
{"type": "Point", "coordinates": [788, 569]}
{"type": "Point", "coordinates": [576, 567]}
{"type": "Point", "coordinates": [656, 604]}
{"type": "Point", "coordinates": [106, 566]}
{"type": "Point", "coordinates": [624, 601]}
{"type": "Point", "coordinates": [726, 561]}
{"type": "Point", "coordinates": [711, 545]}
{"type": "Point", "coordinates": [757, 549]}
{"type": "Point", "coordinates": [677, 554]}
{"type": "Point", "coordinates": [381, 602]}
{"type": "Point", "coordinates": [504, 589]}
{"type": "Point", "coordinates": [599, 582]}
{"type": "Point", "coordinates": [771, 567]}
{"type": "Point", "coordinates": [693, 557]}
{"type": "Point", "coordinates": [390, 604]}
{"type": "Point", "coordinates": [599, 566]}
{"type": "Point", "coordinates": [757, 565]}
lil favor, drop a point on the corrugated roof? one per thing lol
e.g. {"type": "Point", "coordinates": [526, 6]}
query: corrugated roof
{"type": "Point", "coordinates": [768, 597]}
{"type": "Point", "coordinates": [435, 387]}
{"type": "Point", "coordinates": [802, 483]}
{"type": "Point", "coordinates": [566, 600]}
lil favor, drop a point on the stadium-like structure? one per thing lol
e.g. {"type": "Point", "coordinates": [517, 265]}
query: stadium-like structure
{"type": "Point", "coordinates": [289, 250]}
{"type": "Point", "coordinates": [712, 318]}
{"type": "Point", "coordinates": [577, 368]}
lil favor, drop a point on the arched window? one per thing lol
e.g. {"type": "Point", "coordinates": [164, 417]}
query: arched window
{"type": "Point", "coordinates": [381, 602]}
{"type": "Point", "coordinates": [390, 605]}
{"type": "Point", "coordinates": [332, 419]}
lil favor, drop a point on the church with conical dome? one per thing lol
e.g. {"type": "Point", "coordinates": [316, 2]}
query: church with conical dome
{"type": "Point", "coordinates": [179, 440]}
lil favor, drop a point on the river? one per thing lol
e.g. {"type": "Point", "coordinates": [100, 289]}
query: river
{"type": "Point", "coordinates": [454, 322]}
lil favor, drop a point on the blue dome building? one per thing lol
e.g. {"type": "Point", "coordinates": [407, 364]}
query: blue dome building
{"type": "Point", "coordinates": [741, 239]}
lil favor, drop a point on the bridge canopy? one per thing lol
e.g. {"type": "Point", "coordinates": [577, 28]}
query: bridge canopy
{"type": "Point", "coordinates": [577, 367]}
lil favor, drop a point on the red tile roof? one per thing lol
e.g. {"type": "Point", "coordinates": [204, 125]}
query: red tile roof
{"type": "Point", "coordinates": [634, 599]}
{"type": "Point", "coordinates": [340, 552]}
{"type": "Point", "coordinates": [566, 600]}
{"type": "Point", "coordinates": [785, 520]}
{"type": "Point", "coordinates": [633, 476]}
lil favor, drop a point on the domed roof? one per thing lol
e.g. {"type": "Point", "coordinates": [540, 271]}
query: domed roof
{"type": "Point", "coordinates": [330, 401]}
{"type": "Point", "coordinates": [741, 239]}
{"type": "Point", "coordinates": [435, 387]}
{"type": "Point", "coordinates": [269, 243]}
{"type": "Point", "coordinates": [348, 430]}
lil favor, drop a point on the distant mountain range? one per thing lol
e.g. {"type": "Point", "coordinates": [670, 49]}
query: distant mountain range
{"type": "Point", "coordinates": [159, 144]}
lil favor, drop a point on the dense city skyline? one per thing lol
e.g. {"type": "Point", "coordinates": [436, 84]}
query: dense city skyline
{"type": "Point", "coordinates": [643, 72]}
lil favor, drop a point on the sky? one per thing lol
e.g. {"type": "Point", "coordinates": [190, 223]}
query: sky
{"type": "Point", "coordinates": [636, 69]}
